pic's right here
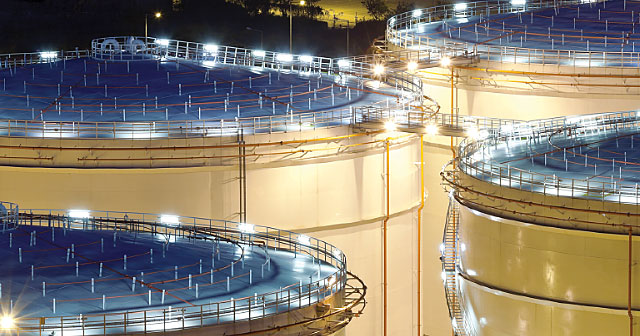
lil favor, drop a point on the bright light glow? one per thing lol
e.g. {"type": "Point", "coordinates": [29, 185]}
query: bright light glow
{"type": "Point", "coordinates": [158, 15]}
{"type": "Point", "coordinates": [162, 42]}
{"type": "Point", "coordinates": [302, 2]}
{"type": "Point", "coordinates": [445, 62]}
{"type": "Point", "coordinates": [506, 128]}
{"type": "Point", "coordinates": [417, 13]}
{"type": "Point", "coordinates": [472, 272]}
{"type": "Point", "coordinates": [258, 53]}
{"type": "Point", "coordinates": [463, 247]}
{"type": "Point", "coordinates": [209, 63]}
{"type": "Point", "coordinates": [343, 63]}
{"type": "Point", "coordinates": [441, 248]}
{"type": "Point", "coordinates": [304, 240]}
{"type": "Point", "coordinates": [79, 213]}
{"type": "Point", "coordinates": [518, 2]}
{"type": "Point", "coordinates": [6, 322]}
{"type": "Point", "coordinates": [284, 57]}
{"type": "Point", "coordinates": [306, 58]}
{"type": "Point", "coordinates": [453, 322]}
{"type": "Point", "coordinates": [459, 7]}
{"type": "Point", "coordinates": [443, 275]}
{"type": "Point", "coordinates": [49, 54]}
{"type": "Point", "coordinates": [412, 66]}
{"type": "Point", "coordinates": [483, 321]}
{"type": "Point", "coordinates": [246, 228]}
{"type": "Point", "coordinates": [170, 219]}
{"type": "Point", "coordinates": [431, 129]}
{"type": "Point", "coordinates": [392, 20]}
{"type": "Point", "coordinates": [390, 126]}
{"type": "Point", "coordinates": [378, 69]}
{"type": "Point", "coordinates": [210, 47]}
{"type": "Point", "coordinates": [337, 254]}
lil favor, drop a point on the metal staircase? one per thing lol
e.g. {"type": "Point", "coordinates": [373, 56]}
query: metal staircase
{"type": "Point", "coordinates": [449, 258]}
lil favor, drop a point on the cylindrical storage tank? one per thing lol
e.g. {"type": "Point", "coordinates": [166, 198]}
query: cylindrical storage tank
{"type": "Point", "coordinates": [546, 224]}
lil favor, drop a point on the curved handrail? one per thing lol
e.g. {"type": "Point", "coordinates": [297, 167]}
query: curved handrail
{"type": "Point", "coordinates": [436, 47]}
{"type": "Point", "coordinates": [470, 160]}
{"type": "Point", "coordinates": [207, 54]}
{"type": "Point", "coordinates": [236, 309]}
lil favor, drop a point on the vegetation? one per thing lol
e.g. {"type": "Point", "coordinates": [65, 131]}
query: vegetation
{"type": "Point", "coordinates": [31, 25]}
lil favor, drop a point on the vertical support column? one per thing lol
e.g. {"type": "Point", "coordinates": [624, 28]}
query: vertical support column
{"type": "Point", "coordinates": [384, 242]}
{"type": "Point", "coordinates": [419, 276]}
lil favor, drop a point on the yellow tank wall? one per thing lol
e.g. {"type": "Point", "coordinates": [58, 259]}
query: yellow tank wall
{"type": "Point", "coordinates": [337, 197]}
{"type": "Point", "coordinates": [552, 264]}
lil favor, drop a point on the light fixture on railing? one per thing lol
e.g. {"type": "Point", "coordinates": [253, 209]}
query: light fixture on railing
{"type": "Point", "coordinates": [246, 228]}
{"type": "Point", "coordinates": [170, 219]}
{"type": "Point", "coordinates": [305, 58]}
{"type": "Point", "coordinates": [79, 213]}
{"type": "Point", "coordinates": [7, 322]}
{"type": "Point", "coordinates": [445, 62]}
{"type": "Point", "coordinates": [162, 42]}
{"type": "Point", "coordinates": [48, 55]}
{"type": "Point", "coordinates": [459, 7]}
{"type": "Point", "coordinates": [390, 125]}
{"type": "Point", "coordinates": [518, 2]}
{"type": "Point", "coordinates": [431, 129]}
{"type": "Point", "coordinates": [259, 53]}
{"type": "Point", "coordinates": [283, 57]}
{"type": "Point", "coordinates": [337, 253]}
{"type": "Point", "coordinates": [343, 63]}
{"type": "Point", "coordinates": [412, 66]}
{"type": "Point", "coordinates": [304, 240]}
{"type": "Point", "coordinates": [211, 48]}
{"type": "Point", "coordinates": [417, 13]}
{"type": "Point", "coordinates": [378, 69]}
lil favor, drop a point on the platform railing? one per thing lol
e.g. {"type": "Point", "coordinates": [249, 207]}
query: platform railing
{"type": "Point", "coordinates": [474, 157]}
{"type": "Point", "coordinates": [158, 320]}
{"type": "Point", "coordinates": [9, 216]}
{"type": "Point", "coordinates": [432, 48]}
{"type": "Point", "coordinates": [131, 48]}
{"type": "Point", "coordinates": [13, 60]}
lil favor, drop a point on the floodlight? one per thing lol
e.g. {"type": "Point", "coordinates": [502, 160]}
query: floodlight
{"type": "Point", "coordinates": [445, 62]}
{"type": "Point", "coordinates": [162, 42]}
{"type": "Point", "coordinates": [343, 63]}
{"type": "Point", "coordinates": [390, 126]}
{"type": "Point", "coordinates": [431, 129]}
{"type": "Point", "coordinates": [412, 66]}
{"type": "Point", "coordinates": [304, 240]}
{"type": "Point", "coordinates": [417, 12]}
{"type": "Point", "coordinates": [79, 213]}
{"type": "Point", "coordinates": [49, 54]}
{"type": "Point", "coordinates": [246, 228]}
{"type": "Point", "coordinates": [7, 322]}
{"type": "Point", "coordinates": [305, 58]}
{"type": "Point", "coordinates": [258, 53]}
{"type": "Point", "coordinates": [157, 15]}
{"type": "Point", "coordinates": [459, 7]}
{"type": "Point", "coordinates": [170, 219]}
{"type": "Point", "coordinates": [518, 2]}
{"type": "Point", "coordinates": [282, 57]}
{"type": "Point", "coordinates": [378, 69]}
{"type": "Point", "coordinates": [210, 48]}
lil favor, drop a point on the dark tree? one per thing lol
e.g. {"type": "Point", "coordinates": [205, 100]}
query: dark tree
{"type": "Point", "coordinates": [378, 9]}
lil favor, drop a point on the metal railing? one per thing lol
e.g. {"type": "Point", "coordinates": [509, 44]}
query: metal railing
{"type": "Point", "coordinates": [13, 60]}
{"type": "Point", "coordinates": [127, 48]}
{"type": "Point", "coordinates": [399, 33]}
{"type": "Point", "coordinates": [8, 215]}
{"type": "Point", "coordinates": [261, 305]}
{"type": "Point", "coordinates": [474, 154]}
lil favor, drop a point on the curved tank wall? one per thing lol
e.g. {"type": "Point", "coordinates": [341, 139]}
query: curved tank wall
{"type": "Point", "coordinates": [337, 194]}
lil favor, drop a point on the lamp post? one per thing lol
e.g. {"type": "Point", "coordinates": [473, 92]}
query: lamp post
{"type": "Point", "coordinates": [335, 18]}
{"type": "Point", "coordinates": [261, 36]}
{"type": "Point", "coordinates": [302, 2]}
{"type": "Point", "coordinates": [157, 15]}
